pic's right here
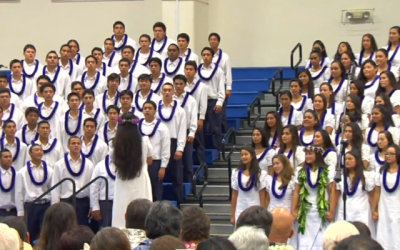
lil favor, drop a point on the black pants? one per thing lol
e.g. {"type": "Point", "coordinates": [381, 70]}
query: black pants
{"type": "Point", "coordinates": [106, 222]}
{"type": "Point", "coordinates": [175, 171]}
{"type": "Point", "coordinates": [213, 124]}
{"type": "Point", "coordinates": [156, 184]}
{"type": "Point", "coordinates": [34, 218]}
{"type": "Point", "coordinates": [82, 209]}
{"type": "Point", "coordinates": [187, 161]}
{"type": "Point", "coordinates": [5, 212]}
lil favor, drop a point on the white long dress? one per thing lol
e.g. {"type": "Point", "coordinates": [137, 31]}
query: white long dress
{"type": "Point", "coordinates": [388, 227]}
{"type": "Point", "coordinates": [126, 191]}
{"type": "Point", "coordinates": [358, 207]}
{"type": "Point", "coordinates": [286, 200]}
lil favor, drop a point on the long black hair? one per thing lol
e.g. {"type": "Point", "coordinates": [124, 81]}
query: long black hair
{"type": "Point", "coordinates": [254, 166]}
{"type": "Point", "coordinates": [278, 126]}
{"type": "Point", "coordinates": [359, 169]}
{"type": "Point", "coordinates": [128, 148]}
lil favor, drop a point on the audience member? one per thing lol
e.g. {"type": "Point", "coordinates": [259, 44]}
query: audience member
{"type": "Point", "coordinates": [249, 238]}
{"type": "Point", "coordinates": [58, 218]}
{"type": "Point", "coordinates": [216, 243]}
{"type": "Point", "coordinates": [8, 239]}
{"type": "Point", "coordinates": [195, 226]}
{"type": "Point", "coordinates": [358, 242]}
{"type": "Point", "coordinates": [336, 232]}
{"type": "Point", "coordinates": [362, 228]}
{"type": "Point", "coordinates": [110, 238]}
{"type": "Point", "coordinates": [282, 226]}
{"type": "Point", "coordinates": [19, 225]}
{"type": "Point", "coordinates": [163, 219]}
{"type": "Point", "coordinates": [256, 216]}
{"type": "Point", "coordinates": [167, 242]}
{"type": "Point", "coordinates": [136, 212]}
{"type": "Point", "coordinates": [75, 237]}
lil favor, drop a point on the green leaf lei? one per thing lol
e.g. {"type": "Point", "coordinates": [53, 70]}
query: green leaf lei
{"type": "Point", "coordinates": [305, 205]}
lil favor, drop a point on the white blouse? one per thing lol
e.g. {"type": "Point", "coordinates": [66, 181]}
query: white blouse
{"type": "Point", "coordinates": [296, 159]}
{"type": "Point", "coordinates": [320, 77]}
{"type": "Point", "coordinates": [340, 91]}
{"type": "Point", "coordinates": [371, 137]}
{"type": "Point", "coordinates": [365, 151]}
{"type": "Point", "coordinates": [366, 105]}
{"type": "Point", "coordinates": [330, 158]}
{"type": "Point", "coordinates": [360, 59]}
{"type": "Point", "coordinates": [265, 158]}
{"type": "Point", "coordinates": [394, 58]}
{"type": "Point", "coordinates": [327, 120]}
{"type": "Point", "coordinates": [336, 110]}
{"type": "Point", "coordinates": [303, 105]}
{"type": "Point", "coordinates": [295, 117]}
{"type": "Point", "coordinates": [286, 200]}
{"type": "Point", "coordinates": [371, 87]}
{"type": "Point", "coordinates": [375, 162]}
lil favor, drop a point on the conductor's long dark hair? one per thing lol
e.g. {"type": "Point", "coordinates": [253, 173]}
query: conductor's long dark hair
{"type": "Point", "coordinates": [128, 148]}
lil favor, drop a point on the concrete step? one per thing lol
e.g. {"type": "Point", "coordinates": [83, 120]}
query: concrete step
{"type": "Point", "coordinates": [264, 110]}
{"type": "Point", "coordinates": [218, 173]}
{"type": "Point", "coordinates": [243, 139]}
{"type": "Point", "coordinates": [222, 227]}
{"type": "Point", "coordinates": [216, 208]}
{"type": "Point", "coordinates": [259, 124]}
{"type": "Point", "coordinates": [215, 190]}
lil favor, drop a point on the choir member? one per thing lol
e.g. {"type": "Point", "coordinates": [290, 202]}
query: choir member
{"type": "Point", "coordinates": [28, 132]}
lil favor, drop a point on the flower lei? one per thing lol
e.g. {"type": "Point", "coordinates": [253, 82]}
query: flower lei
{"type": "Point", "coordinates": [280, 247]}
{"type": "Point", "coordinates": [305, 205]}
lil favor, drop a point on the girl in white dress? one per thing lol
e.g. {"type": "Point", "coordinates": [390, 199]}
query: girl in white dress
{"type": "Point", "coordinates": [354, 137]}
{"type": "Point", "coordinates": [342, 47]}
{"type": "Point", "coordinates": [348, 59]}
{"type": "Point", "coordinates": [368, 49]}
{"type": "Point", "coordinates": [248, 184]}
{"type": "Point", "coordinates": [384, 100]}
{"type": "Point", "coordinates": [394, 45]}
{"type": "Point", "coordinates": [338, 81]}
{"type": "Point", "coordinates": [353, 106]}
{"type": "Point", "coordinates": [381, 120]}
{"type": "Point", "coordinates": [323, 140]}
{"type": "Point", "coordinates": [337, 136]}
{"type": "Point", "coordinates": [325, 61]}
{"type": "Point", "coordinates": [264, 153]}
{"type": "Point", "coordinates": [326, 119]}
{"type": "Point", "coordinates": [386, 201]}
{"type": "Point", "coordinates": [369, 77]}
{"type": "Point", "coordinates": [310, 125]}
{"type": "Point", "coordinates": [290, 146]}
{"type": "Point", "coordinates": [299, 102]}
{"type": "Point", "coordinates": [377, 159]}
{"type": "Point", "coordinates": [389, 86]}
{"type": "Point", "coordinates": [359, 186]}
{"type": "Point", "coordinates": [273, 128]}
{"type": "Point", "coordinates": [131, 161]}
{"type": "Point", "coordinates": [357, 88]}
{"type": "Point", "coordinates": [315, 207]}
{"type": "Point", "coordinates": [332, 107]}
{"type": "Point", "coordinates": [287, 113]}
{"type": "Point", "coordinates": [308, 85]}
{"type": "Point", "coordinates": [382, 60]}
{"type": "Point", "coordinates": [319, 74]}
{"type": "Point", "coordinates": [280, 184]}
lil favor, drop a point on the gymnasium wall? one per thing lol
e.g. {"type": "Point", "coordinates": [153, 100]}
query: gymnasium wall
{"type": "Point", "coordinates": [263, 32]}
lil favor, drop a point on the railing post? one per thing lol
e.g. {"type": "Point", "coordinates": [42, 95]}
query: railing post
{"type": "Point", "coordinates": [292, 65]}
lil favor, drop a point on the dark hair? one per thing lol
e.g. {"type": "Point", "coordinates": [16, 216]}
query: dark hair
{"type": "Point", "coordinates": [156, 60]}
{"type": "Point", "coordinates": [388, 136]}
{"type": "Point", "coordinates": [278, 125]}
{"type": "Point", "coordinates": [360, 88]}
{"type": "Point", "coordinates": [254, 166]}
{"type": "Point", "coordinates": [160, 25]}
{"type": "Point", "coordinates": [15, 61]}
{"type": "Point", "coordinates": [145, 77]}
{"type": "Point", "coordinates": [352, 118]}
{"type": "Point", "coordinates": [125, 92]}
{"type": "Point", "coordinates": [30, 110]}
{"type": "Point", "coordinates": [73, 137]}
{"type": "Point", "coordinates": [327, 139]}
{"type": "Point", "coordinates": [118, 23]}
{"type": "Point", "coordinates": [386, 99]}
{"type": "Point", "coordinates": [74, 83]}
{"type": "Point", "coordinates": [310, 83]}
{"type": "Point", "coordinates": [256, 216]}
{"type": "Point", "coordinates": [264, 142]}
{"type": "Point", "coordinates": [41, 77]}
{"type": "Point", "coordinates": [357, 136]}
{"type": "Point", "coordinates": [358, 242]}
{"type": "Point", "coordinates": [5, 90]}
{"type": "Point", "coordinates": [5, 123]}
{"type": "Point", "coordinates": [216, 243]}
{"type": "Point", "coordinates": [184, 36]}
{"type": "Point", "coordinates": [90, 119]}
{"type": "Point", "coordinates": [128, 47]}
{"type": "Point", "coordinates": [110, 238]}
{"type": "Point", "coordinates": [386, 166]}
{"type": "Point", "coordinates": [96, 49]}
{"type": "Point", "coordinates": [47, 85]}
{"type": "Point", "coordinates": [152, 104]}
{"type": "Point", "coordinates": [128, 155]}
{"type": "Point", "coordinates": [209, 49]}
{"type": "Point", "coordinates": [75, 237]}
{"type": "Point", "coordinates": [374, 46]}
{"type": "Point", "coordinates": [88, 92]}
{"type": "Point", "coordinates": [3, 151]}
{"type": "Point", "coordinates": [180, 77]}
{"type": "Point", "coordinates": [34, 145]}
{"type": "Point", "coordinates": [112, 77]}
{"type": "Point", "coordinates": [319, 158]}
{"type": "Point", "coordinates": [215, 35]}
{"type": "Point", "coordinates": [43, 122]}
{"type": "Point", "coordinates": [295, 140]}
{"type": "Point", "coordinates": [114, 107]}
{"type": "Point", "coordinates": [357, 106]}
{"type": "Point", "coordinates": [362, 228]}
{"type": "Point", "coordinates": [76, 42]}
{"type": "Point", "coordinates": [58, 218]}
{"type": "Point", "coordinates": [162, 219]}
{"type": "Point", "coordinates": [63, 46]}
{"type": "Point", "coordinates": [361, 76]}
{"type": "Point", "coordinates": [29, 46]}
{"type": "Point", "coordinates": [195, 224]}
{"type": "Point", "coordinates": [337, 55]}
{"type": "Point", "coordinates": [341, 67]}
{"type": "Point", "coordinates": [387, 120]}
{"type": "Point", "coordinates": [392, 82]}
{"type": "Point", "coordinates": [315, 116]}
{"type": "Point", "coordinates": [136, 213]}
{"type": "Point", "coordinates": [191, 63]}
{"type": "Point", "coordinates": [72, 94]}
{"type": "Point", "coordinates": [324, 102]}
{"type": "Point", "coordinates": [322, 45]}
{"type": "Point", "coordinates": [145, 36]}
{"type": "Point", "coordinates": [109, 39]}
{"type": "Point", "coordinates": [124, 60]}
{"type": "Point", "coordinates": [359, 169]}
{"type": "Point", "coordinates": [331, 97]}
{"type": "Point", "coordinates": [91, 56]}
{"type": "Point", "coordinates": [167, 242]}
{"type": "Point", "coordinates": [286, 92]}
{"type": "Point", "coordinates": [14, 221]}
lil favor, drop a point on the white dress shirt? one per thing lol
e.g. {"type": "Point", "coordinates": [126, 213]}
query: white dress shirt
{"type": "Point", "coordinates": [104, 100]}
{"type": "Point", "coordinates": [177, 126]}
{"type": "Point", "coordinates": [225, 65]}
{"type": "Point", "coordinates": [18, 151]}
{"type": "Point", "coordinates": [160, 139]}
{"type": "Point", "coordinates": [144, 58]}
{"type": "Point", "coordinates": [173, 68]}
{"type": "Point", "coordinates": [97, 83]}
{"type": "Point", "coordinates": [74, 125]}
{"type": "Point", "coordinates": [112, 60]}
{"type": "Point", "coordinates": [97, 115]}
{"type": "Point", "coordinates": [16, 100]}
{"type": "Point", "coordinates": [72, 69]}
{"type": "Point", "coordinates": [104, 70]}
{"type": "Point", "coordinates": [215, 85]}
{"type": "Point", "coordinates": [53, 151]}
{"type": "Point", "coordinates": [8, 179]}
{"type": "Point", "coordinates": [32, 70]}
{"type": "Point", "coordinates": [161, 47]}
{"type": "Point", "coordinates": [98, 188]}
{"type": "Point", "coordinates": [128, 83]}
{"type": "Point", "coordinates": [96, 150]}
{"type": "Point", "coordinates": [189, 55]}
{"type": "Point", "coordinates": [26, 190]}
{"type": "Point", "coordinates": [15, 114]}
{"type": "Point", "coordinates": [156, 85]}
{"type": "Point", "coordinates": [22, 87]}
{"type": "Point", "coordinates": [139, 99]}
{"type": "Point", "coordinates": [59, 78]}
{"type": "Point", "coordinates": [34, 100]}
{"type": "Point", "coordinates": [106, 133]}
{"type": "Point", "coordinates": [137, 69]}
{"type": "Point", "coordinates": [26, 135]}
{"type": "Point", "coordinates": [52, 115]}
{"type": "Point", "coordinates": [188, 103]}
{"type": "Point", "coordinates": [80, 61]}
{"type": "Point", "coordinates": [126, 40]}
{"type": "Point", "coordinates": [198, 90]}
{"type": "Point", "coordinates": [61, 171]}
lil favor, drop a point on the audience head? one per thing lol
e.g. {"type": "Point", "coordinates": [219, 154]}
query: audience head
{"type": "Point", "coordinates": [362, 228]}
{"type": "Point", "coordinates": [75, 237]}
{"type": "Point", "coordinates": [282, 225]}
{"type": "Point", "coordinates": [336, 232]}
{"type": "Point", "coordinates": [8, 238]}
{"type": "Point", "coordinates": [58, 218]}
{"type": "Point", "coordinates": [110, 238]}
{"type": "Point", "coordinates": [358, 242]}
{"type": "Point", "coordinates": [195, 224]}
{"type": "Point", "coordinates": [216, 243]}
{"type": "Point", "coordinates": [256, 216]}
{"type": "Point", "coordinates": [167, 242]}
{"type": "Point", "coordinates": [18, 225]}
{"type": "Point", "coordinates": [249, 238]}
{"type": "Point", "coordinates": [136, 212]}
{"type": "Point", "coordinates": [163, 219]}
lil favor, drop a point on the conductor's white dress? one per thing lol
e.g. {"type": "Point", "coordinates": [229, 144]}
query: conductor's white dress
{"type": "Point", "coordinates": [126, 191]}
{"type": "Point", "coordinates": [388, 227]}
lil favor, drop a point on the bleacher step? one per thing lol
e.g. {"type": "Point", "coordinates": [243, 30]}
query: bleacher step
{"type": "Point", "coordinates": [215, 189]}
{"type": "Point", "coordinates": [221, 228]}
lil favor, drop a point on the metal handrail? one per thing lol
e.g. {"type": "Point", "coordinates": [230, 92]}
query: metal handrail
{"type": "Point", "coordinates": [250, 110]}
{"type": "Point", "coordinates": [295, 67]}
{"type": "Point", "coordinates": [199, 194]}
{"type": "Point", "coordinates": [230, 136]}
{"type": "Point", "coordinates": [275, 93]}
{"type": "Point", "coordinates": [90, 183]}
{"type": "Point", "coordinates": [55, 186]}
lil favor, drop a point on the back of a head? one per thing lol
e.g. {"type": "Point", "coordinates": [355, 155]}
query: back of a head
{"type": "Point", "coordinates": [362, 228]}
{"type": "Point", "coordinates": [110, 238]}
{"type": "Point", "coordinates": [282, 225]}
{"type": "Point", "coordinates": [9, 240]}
{"type": "Point", "coordinates": [128, 147]}
{"type": "Point", "coordinates": [216, 243]}
{"type": "Point", "coordinates": [195, 224]}
{"type": "Point", "coordinates": [163, 219]}
{"type": "Point", "coordinates": [167, 242]}
{"type": "Point", "coordinates": [358, 242]}
{"type": "Point", "coordinates": [17, 224]}
{"type": "Point", "coordinates": [256, 216]}
{"type": "Point", "coordinates": [75, 237]}
{"type": "Point", "coordinates": [249, 238]}
{"type": "Point", "coordinates": [136, 213]}
{"type": "Point", "coordinates": [336, 232]}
